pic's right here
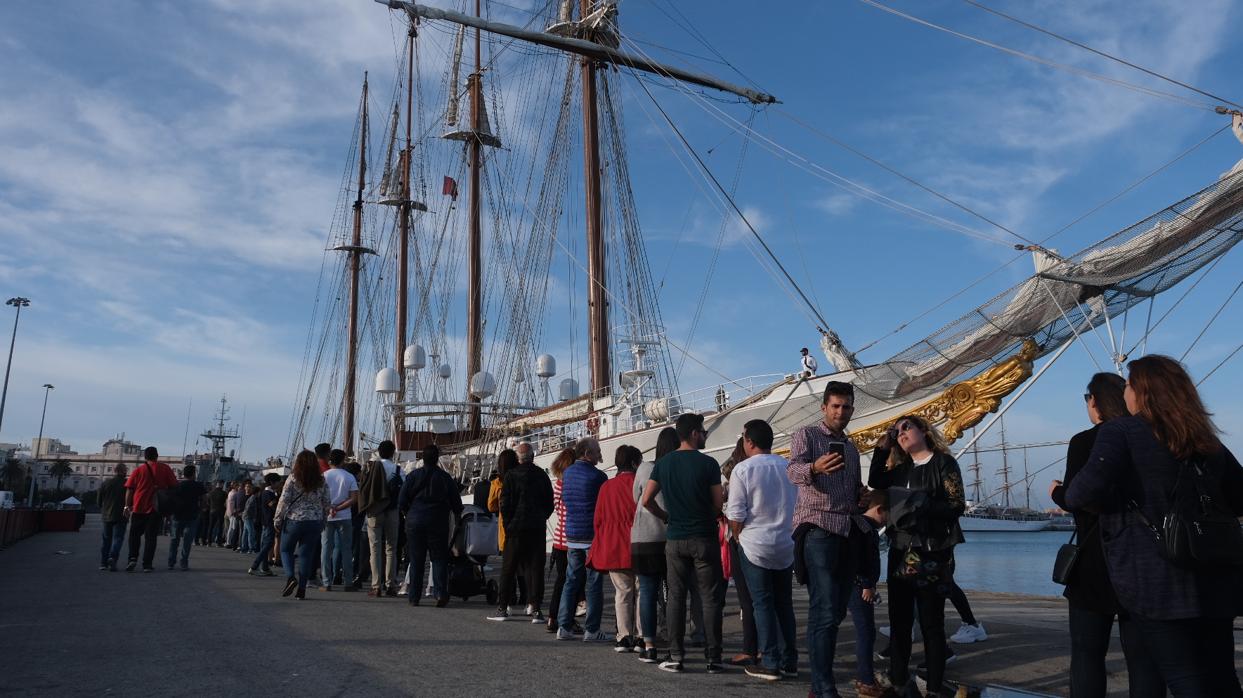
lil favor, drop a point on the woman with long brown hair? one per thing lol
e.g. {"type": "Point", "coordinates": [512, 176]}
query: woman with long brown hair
{"type": "Point", "coordinates": [299, 519]}
{"type": "Point", "coordinates": [560, 556]}
{"type": "Point", "coordinates": [1179, 619]}
{"type": "Point", "coordinates": [913, 456]}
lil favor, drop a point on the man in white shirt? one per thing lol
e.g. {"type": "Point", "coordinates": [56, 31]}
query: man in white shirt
{"type": "Point", "coordinates": [760, 509]}
{"type": "Point", "coordinates": [338, 535]}
{"type": "Point", "coordinates": [809, 364]}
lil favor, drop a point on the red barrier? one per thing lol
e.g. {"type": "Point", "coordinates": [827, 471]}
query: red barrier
{"type": "Point", "coordinates": [16, 524]}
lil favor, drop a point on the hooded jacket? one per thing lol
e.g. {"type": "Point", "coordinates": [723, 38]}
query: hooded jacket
{"type": "Point", "coordinates": [613, 519]}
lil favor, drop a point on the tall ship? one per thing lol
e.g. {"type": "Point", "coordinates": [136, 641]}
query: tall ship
{"type": "Point", "coordinates": [498, 169]}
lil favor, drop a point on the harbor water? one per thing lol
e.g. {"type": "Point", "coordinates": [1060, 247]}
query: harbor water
{"type": "Point", "coordinates": [1013, 563]}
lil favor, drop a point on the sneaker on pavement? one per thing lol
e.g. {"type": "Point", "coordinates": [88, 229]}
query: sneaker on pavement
{"type": "Point", "coordinates": [883, 654]}
{"type": "Point", "coordinates": [502, 614]}
{"type": "Point", "coordinates": [112, 564]}
{"type": "Point", "coordinates": [671, 666]}
{"type": "Point", "coordinates": [266, 572]}
{"type": "Point", "coordinates": [625, 644]}
{"type": "Point", "coordinates": [742, 659]}
{"type": "Point", "coordinates": [648, 655]}
{"type": "Point", "coordinates": [759, 671]}
{"type": "Point", "coordinates": [714, 667]}
{"type": "Point", "coordinates": [537, 618]}
{"type": "Point", "coordinates": [530, 609]}
{"type": "Point", "coordinates": [966, 634]}
{"type": "Point", "coordinates": [103, 566]}
{"type": "Point", "coordinates": [132, 564]}
{"type": "Point", "coordinates": [597, 636]}
{"type": "Point", "coordinates": [868, 690]}
{"type": "Point", "coordinates": [563, 634]}
{"type": "Point", "coordinates": [581, 610]}
{"type": "Point", "coordinates": [789, 673]}
{"type": "Point", "coordinates": [145, 568]}
{"type": "Point", "coordinates": [185, 566]}
{"type": "Point", "coordinates": [551, 625]}
{"type": "Point", "coordinates": [577, 629]}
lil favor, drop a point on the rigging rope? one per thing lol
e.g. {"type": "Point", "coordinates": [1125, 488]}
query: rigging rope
{"type": "Point", "coordinates": [1211, 321]}
{"type": "Point", "coordinates": [1043, 61]}
{"type": "Point", "coordinates": [1085, 47]}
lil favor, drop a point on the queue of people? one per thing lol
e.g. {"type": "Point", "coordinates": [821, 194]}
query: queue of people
{"type": "Point", "coordinates": [670, 531]}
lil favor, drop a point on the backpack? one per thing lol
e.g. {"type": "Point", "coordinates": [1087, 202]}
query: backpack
{"type": "Point", "coordinates": [1199, 531]}
{"type": "Point", "coordinates": [393, 488]}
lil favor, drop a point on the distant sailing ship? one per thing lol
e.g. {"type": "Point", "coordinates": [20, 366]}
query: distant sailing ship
{"type": "Point", "coordinates": [981, 516]}
{"type": "Point", "coordinates": [402, 252]}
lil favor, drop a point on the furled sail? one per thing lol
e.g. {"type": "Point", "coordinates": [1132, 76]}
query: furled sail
{"type": "Point", "coordinates": [1069, 295]}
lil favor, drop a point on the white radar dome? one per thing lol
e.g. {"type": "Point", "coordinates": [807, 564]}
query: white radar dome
{"type": "Point", "coordinates": [415, 358]}
{"type": "Point", "coordinates": [387, 381]}
{"type": "Point", "coordinates": [545, 366]}
{"type": "Point", "coordinates": [568, 389]}
{"type": "Point", "coordinates": [482, 385]}
{"type": "Point", "coordinates": [444, 371]}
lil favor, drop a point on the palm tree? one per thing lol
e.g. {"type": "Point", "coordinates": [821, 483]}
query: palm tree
{"type": "Point", "coordinates": [60, 470]}
{"type": "Point", "coordinates": [11, 472]}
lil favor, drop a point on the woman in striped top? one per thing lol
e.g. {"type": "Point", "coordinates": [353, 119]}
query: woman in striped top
{"type": "Point", "coordinates": [559, 556]}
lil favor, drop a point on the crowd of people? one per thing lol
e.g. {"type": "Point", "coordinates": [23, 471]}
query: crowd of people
{"type": "Point", "coordinates": [670, 531]}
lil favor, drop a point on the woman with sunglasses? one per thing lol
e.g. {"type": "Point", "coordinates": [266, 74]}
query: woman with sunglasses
{"type": "Point", "coordinates": [1090, 596]}
{"type": "Point", "coordinates": [1178, 620]}
{"type": "Point", "coordinates": [912, 455]}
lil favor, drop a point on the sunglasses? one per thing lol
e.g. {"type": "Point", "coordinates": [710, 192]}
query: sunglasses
{"type": "Point", "coordinates": [1087, 396]}
{"type": "Point", "coordinates": [907, 426]}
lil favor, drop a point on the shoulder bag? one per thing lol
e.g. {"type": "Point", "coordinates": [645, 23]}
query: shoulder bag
{"type": "Point", "coordinates": [1197, 532]}
{"type": "Point", "coordinates": [1067, 556]}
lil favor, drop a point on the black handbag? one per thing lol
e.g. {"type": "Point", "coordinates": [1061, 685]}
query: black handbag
{"type": "Point", "coordinates": [1067, 556]}
{"type": "Point", "coordinates": [1197, 532]}
{"type": "Point", "coordinates": [927, 570]}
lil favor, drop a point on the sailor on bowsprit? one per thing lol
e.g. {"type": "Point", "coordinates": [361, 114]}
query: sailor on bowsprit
{"type": "Point", "coordinates": [809, 363]}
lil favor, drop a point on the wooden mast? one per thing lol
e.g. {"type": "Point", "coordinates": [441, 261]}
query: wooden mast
{"type": "Point", "coordinates": [403, 231]}
{"type": "Point", "coordinates": [474, 308]}
{"type": "Point", "coordinates": [597, 300]}
{"type": "Point", "coordinates": [355, 251]}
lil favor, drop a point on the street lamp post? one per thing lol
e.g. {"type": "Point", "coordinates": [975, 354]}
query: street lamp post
{"type": "Point", "coordinates": [30, 500]}
{"type": "Point", "coordinates": [18, 303]}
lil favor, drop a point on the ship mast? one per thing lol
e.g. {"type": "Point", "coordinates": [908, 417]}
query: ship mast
{"type": "Point", "coordinates": [597, 301]}
{"type": "Point", "coordinates": [355, 251]}
{"type": "Point", "coordinates": [403, 230]}
{"type": "Point", "coordinates": [474, 263]}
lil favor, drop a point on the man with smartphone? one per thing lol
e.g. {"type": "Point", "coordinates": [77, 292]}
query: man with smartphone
{"type": "Point", "coordinates": [824, 466]}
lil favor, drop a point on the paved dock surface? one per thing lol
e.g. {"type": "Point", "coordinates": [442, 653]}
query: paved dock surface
{"type": "Point", "coordinates": [70, 629]}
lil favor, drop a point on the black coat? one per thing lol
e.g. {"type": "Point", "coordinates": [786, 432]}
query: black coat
{"type": "Point", "coordinates": [526, 498]}
{"type": "Point", "coordinates": [1089, 586]}
{"type": "Point", "coordinates": [429, 494]}
{"type": "Point", "coordinates": [936, 526]}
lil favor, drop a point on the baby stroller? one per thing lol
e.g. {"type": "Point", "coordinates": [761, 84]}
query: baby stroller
{"type": "Point", "coordinates": [473, 541]}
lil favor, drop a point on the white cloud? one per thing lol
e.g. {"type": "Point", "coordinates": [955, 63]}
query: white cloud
{"type": "Point", "coordinates": [837, 204]}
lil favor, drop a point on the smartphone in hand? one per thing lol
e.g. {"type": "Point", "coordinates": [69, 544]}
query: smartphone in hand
{"type": "Point", "coordinates": [837, 447]}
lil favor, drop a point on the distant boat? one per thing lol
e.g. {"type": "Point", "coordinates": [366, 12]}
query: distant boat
{"type": "Point", "coordinates": [1012, 519]}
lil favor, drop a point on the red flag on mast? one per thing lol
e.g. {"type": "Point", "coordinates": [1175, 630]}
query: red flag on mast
{"type": "Point", "coordinates": [450, 187]}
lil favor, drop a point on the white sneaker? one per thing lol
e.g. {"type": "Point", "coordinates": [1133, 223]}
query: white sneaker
{"type": "Point", "coordinates": [530, 609]}
{"type": "Point", "coordinates": [883, 630]}
{"type": "Point", "coordinates": [563, 634]}
{"type": "Point", "coordinates": [968, 634]}
{"type": "Point", "coordinates": [597, 636]}
{"type": "Point", "coordinates": [581, 610]}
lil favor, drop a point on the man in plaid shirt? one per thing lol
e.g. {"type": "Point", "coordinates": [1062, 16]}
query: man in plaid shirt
{"type": "Point", "coordinates": [824, 465]}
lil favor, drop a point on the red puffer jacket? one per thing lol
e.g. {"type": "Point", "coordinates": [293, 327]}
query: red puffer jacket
{"type": "Point", "coordinates": [614, 517]}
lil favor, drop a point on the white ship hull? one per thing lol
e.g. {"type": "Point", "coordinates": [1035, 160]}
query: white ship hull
{"type": "Point", "coordinates": [984, 523]}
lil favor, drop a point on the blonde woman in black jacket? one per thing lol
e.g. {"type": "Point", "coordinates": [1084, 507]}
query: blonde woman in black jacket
{"type": "Point", "coordinates": [912, 457]}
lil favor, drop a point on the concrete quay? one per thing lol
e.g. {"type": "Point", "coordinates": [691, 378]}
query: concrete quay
{"type": "Point", "coordinates": [69, 629]}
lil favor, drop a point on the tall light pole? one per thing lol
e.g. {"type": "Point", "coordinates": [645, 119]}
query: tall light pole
{"type": "Point", "coordinates": [47, 388]}
{"type": "Point", "coordinates": [18, 303]}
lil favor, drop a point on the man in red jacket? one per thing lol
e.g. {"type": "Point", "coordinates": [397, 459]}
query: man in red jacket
{"type": "Point", "coordinates": [611, 550]}
{"type": "Point", "coordinates": [140, 506]}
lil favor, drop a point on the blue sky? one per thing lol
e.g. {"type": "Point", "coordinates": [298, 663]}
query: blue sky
{"type": "Point", "coordinates": [168, 174]}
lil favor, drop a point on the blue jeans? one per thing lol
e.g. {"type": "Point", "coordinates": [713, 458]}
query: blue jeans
{"type": "Point", "coordinates": [772, 606]}
{"type": "Point", "coordinates": [183, 537]}
{"type": "Point", "coordinates": [303, 535]}
{"type": "Point", "coordinates": [114, 536]}
{"type": "Point", "coordinates": [248, 536]}
{"type": "Point", "coordinates": [574, 579]}
{"type": "Point", "coordinates": [649, 601]}
{"type": "Point", "coordinates": [266, 538]}
{"type": "Point", "coordinates": [337, 534]}
{"type": "Point", "coordinates": [863, 615]}
{"type": "Point", "coordinates": [1192, 657]}
{"type": "Point", "coordinates": [830, 581]}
